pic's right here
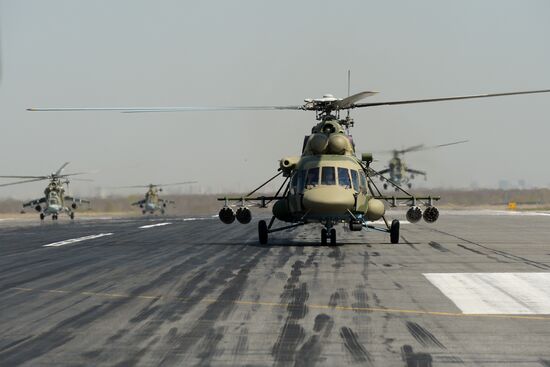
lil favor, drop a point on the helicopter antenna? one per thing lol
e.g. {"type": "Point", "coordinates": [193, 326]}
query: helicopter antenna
{"type": "Point", "coordinates": [349, 86]}
{"type": "Point", "coordinates": [348, 121]}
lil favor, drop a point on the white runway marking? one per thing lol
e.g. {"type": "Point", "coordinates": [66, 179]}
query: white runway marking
{"type": "Point", "coordinates": [492, 212]}
{"type": "Point", "coordinates": [156, 225]}
{"type": "Point", "coordinates": [192, 219]}
{"type": "Point", "coordinates": [74, 240]}
{"type": "Point", "coordinates": [496, 293]}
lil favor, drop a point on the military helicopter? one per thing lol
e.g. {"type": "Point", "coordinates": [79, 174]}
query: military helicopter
{"type": "Point", "coordinates": [399, 172]}
{"type": "Point", "coordinates": [152, 202]}
{"type": "Point", "coordinates": [53, 201]}
{"type": "Point", "coordinates": [328, 183]}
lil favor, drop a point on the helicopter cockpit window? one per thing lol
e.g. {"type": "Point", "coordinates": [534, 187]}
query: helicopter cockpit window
{"type": "Point", "coordinates": [328, 176]}
{"type": "Point", "coordinates": [343, 178]}
{"type": "Point", "coordinates": [355, 179]}
{"type": "Point", "coordinates": [312, 178]}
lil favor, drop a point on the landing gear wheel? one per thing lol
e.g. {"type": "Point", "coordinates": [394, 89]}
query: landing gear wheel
{"type": "Point", "coordinates": [42, 216]}
{"type": "Point", "coordinates": [72, 216]}
{"type": "Point", "coordinates": [262, 232]}
{"type": "Point", "coordinates": [333, 237]}
{"type": "Point", "coordinates": [143, 212]}
{"type": "Point", "coordinates": [54, 217]}
{"type": "Point", "coordinates": [394, 231]}
{"type": "Point", "coordinates": [323, 237]}
{"type": "Point", "coordinates": [409, 185]}
{"type": "Point", "coordinates": [385, 186]}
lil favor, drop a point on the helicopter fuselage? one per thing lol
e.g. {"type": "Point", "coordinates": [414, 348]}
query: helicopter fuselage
{"type": "Point", "coordinates": [328, 189]}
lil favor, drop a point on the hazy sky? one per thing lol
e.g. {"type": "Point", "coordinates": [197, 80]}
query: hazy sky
{"type": "Point", "coordinates": [170, 53]}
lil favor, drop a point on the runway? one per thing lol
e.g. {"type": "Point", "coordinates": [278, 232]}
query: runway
{"type": "Point", "coordinates": [470, 290]}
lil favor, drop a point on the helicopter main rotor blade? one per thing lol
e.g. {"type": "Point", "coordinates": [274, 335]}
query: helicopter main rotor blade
{"type": "Point", "coordinates": [419, 148]}
{"type": "Point", "coordinates": [176, 183]}
{"type": "Point", "coordinates": [165, 109]}
{"type": "Point", "coordinates": [58, 172]}
{"type": "Point", "coordinates": [453, 143]}
{"type": "Point", "coordinates": [73, 174]}
{"type": "Point", "coordinates": [349, 101]}
{"type": "Point", "coordinates": [38, 177]}
{"type": "Point", "coordinates": [390, 103]}
{"type": "Point", "coordinates": [82, 179]}
{"type": "Point", "coordinates": [411, 149]}
{"type": "Point", "coordinates": [25, 181]}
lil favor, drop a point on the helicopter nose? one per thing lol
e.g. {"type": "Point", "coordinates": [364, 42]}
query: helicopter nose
{"type": "Point", "coordinates": [328, 199]}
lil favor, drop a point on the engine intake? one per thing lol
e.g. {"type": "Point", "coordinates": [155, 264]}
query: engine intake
{"type": "Point", "coordinates": [73, 205]}
{"type": "Point", "coordinates": [227, 215]}
{"type": "Point", "coordinates": [244, 215]}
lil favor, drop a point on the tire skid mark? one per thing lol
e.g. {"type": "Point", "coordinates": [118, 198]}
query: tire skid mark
{"type": "Point", "coordinates": [220, 308]}
{"type": "Point", "coordinates": [407, 242]}
{"type": "Point", "coordinates": [423, 336]}
{"type": "Point", "coordinates": [339, 298]}
{"type": "Point", "coordinates": [285, 350]}
{"type": "Point", "coordinates": [49, 340]}
{"type": "Point", "coordinates": [357, 351]}
{"type": "Point", "coordinates": [505, 254]}
{"type": "Point", "coordinates": [484, 254]}
{"type": "Point", "coordinates": [438, 246]}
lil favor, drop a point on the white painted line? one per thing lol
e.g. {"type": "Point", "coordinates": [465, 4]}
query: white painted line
{"type": "Point", "coordinates": [156, 225]}
{"type": "Point", "coordinates": [193, 219]}
{"type": "Point", "coordinates": [496, 293]}
{"type": "Point", "coordinates": [74, 240]}
{"type": "Point", "coordinates": [492, 212]}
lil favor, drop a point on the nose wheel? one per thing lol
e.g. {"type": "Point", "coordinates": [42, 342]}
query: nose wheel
{"type": "Point", "coordinates": [329, 235]}
{"type": "Point", "coordinates": [394, 231]}
{"type": "Point", "coordinates": [262, 232]}
{"type": "Point", "coordinates": [42, 216]}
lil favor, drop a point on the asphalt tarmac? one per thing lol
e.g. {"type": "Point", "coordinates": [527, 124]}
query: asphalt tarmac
{"type": "Point", "coordinates": [470, 290]}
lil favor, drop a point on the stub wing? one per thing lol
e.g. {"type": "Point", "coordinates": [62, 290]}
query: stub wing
{"type": "Point", "coordinates": [140, 202]}
{"type": "Point", "coordinates": [414, 171]}
{"type": "Point", "coordinates": [385, 170]}
{"type": "Point", "coordinates": [172, 202]}
{"type": "Point", "coordinates": [411, 200]}
{"type": "Point", "coordinates": [77, 200]}
{"type": "Point", "coordinates": [262, 201]}
{"type": "Point", "coordinates": [34, 202]}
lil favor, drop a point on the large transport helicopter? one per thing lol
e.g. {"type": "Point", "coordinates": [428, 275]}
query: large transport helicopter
{"type": "Point", "coordinates": [399, 171]}
{"type": "Point", "coordinates": [54, 199]}
{"type": "Point", "coordinates": [152, 202]}
{"type": "Point", "coordinates": [327, 184]}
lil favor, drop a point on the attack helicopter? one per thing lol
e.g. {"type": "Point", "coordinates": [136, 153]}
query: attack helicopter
{"type": "Point", "coordinates": [152, 202]}
{"type": "Point", "coordinates": [328, 183]}
{"type": "Point", "coordinates": [402, 174]}
{"type": "Point", "coordinates": [53, 201]}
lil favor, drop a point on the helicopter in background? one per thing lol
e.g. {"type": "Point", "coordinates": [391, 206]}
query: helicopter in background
{"type": "Point", "coordinates": [327, 184]}
{"type": "Point", "coordinates": [53, 201]}
{"type": "Point", "coordinates": [152, 202]}
{"type": "Point", "coordinates": [399, 171]}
